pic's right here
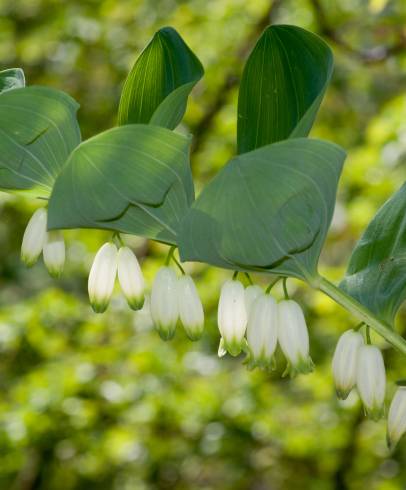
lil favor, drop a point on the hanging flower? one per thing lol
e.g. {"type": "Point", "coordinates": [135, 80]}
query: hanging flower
{"type": "Point", "coordinates": [164, 302]}
{"type": "Point", "coordinates": [345, 362]}
{"type": "Point", "coordinates": [294, 338]}
{"type": "Point", "coordinates": [397, 417]}
{"type": "Point", "coordinates": [371, 380]}
{"type": "Point", "coordinates": [251, 294]}
{"type": "Point", "coordinates": [34, 237]}
{"type": "Point", "coordinates": [54, 253]}
{"type": "Point", "coordinates": [262, 331]}
{"type": "Point", "coordinates": [130, 278]}
{"type": "Point", "coordinates": [232, 316]}
{"type": "Point", "coordinates": [190, 308]}
{"type": "Point", "coordinates": [102, 277]}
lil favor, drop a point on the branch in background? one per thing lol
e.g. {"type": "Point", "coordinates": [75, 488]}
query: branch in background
{"type": "Point", "coordinates": [377, 54]}
{"type": "Point", "coordinates": [231, 80]}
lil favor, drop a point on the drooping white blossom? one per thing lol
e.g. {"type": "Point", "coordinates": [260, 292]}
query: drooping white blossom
{"type": "Point", "coordinates": [102, 277]}
{"type": "Point", "coordinates": [164, 302]}
{"type": "Point", "coordinates": [371, 380]}
{"type": "Point", "coordinates": [262, 331]}
{"type": "Point", "coordinates": [251, 294]}
{"type": "Point", "coordinates": [294, 338]}
{"type": "Point", "coordinates": [345, 362]}
{"type": "Point", "coordinates": [34, 237]}
{"type": "Point", "coordinates": [130, 278]}
{"type": "Point", "coordinates": [397, 417]}
{"type": "Point", "coordinates": [190, 308]}
{"type": "Point", "coordinates": [54, 253]}
{"type": "Point", "coordinates": [232, 316]}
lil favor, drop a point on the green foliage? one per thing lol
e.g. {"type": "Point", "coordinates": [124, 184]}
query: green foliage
{"type": "Point", "coordinates": [11, 78]}
{"type": "Point", "coordinates": [282, 86]}
{"type": "Point", "coordinates": [267, 210]}
{"type": "Point", "coordinates": [158, 86]}
{"type": "Point", "coordinates": [134, 179]}
{"type": "Point", "coordinates": [376, 274]}
{"type": "Point", "coordinates": [38, 131]}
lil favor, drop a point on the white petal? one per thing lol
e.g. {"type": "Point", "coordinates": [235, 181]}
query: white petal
{"type": "Point", "coordinates": [232, 315]}
{"type": "Point", "coordinates": [251, 293]}
{"type": "Point", "coordinates": [190, 307]}
{"type": "Point", "coordinates": [164, 302]}
{"type": "Point", "coordinates": [371, 380]}
{"type": "Point", "coordinates": [54, 253]}
{"type": "Point", "coordinates": [345, 362]}
{"type": "Point", "coordinates": [130, 278]}
{"type": "Point", "coordinates": [102, 276]}
{"type": "Point", "coordinates": [397, 417]}
{"type": "Point", "coordinates": [34, 237]}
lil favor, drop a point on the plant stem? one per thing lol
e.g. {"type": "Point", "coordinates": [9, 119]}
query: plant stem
{"type": "Point", "coordinates": [285, 289]}
{"type": "Point", "coordinates": [362, 313]}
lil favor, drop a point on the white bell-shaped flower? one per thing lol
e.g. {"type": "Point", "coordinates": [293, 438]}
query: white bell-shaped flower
{"type": "Point", "coordinates": [54, 253]}
{"type": "Point", "coordinates": [262, 331]}
{"type": "Point", "coordinates": [164, 302]}
{"type": "Point", "coordinates": [34, 237]}
{"type": "Point", "coordinates": [232, 316]}
{"type": "Point", "coordinates": [251, 294]}
{"type": "Point", "coordinates": [371, 380]}
{"type": "Point", "coordinates": [102, 277]}
{"type": "Point", "coordinates": [345, 362]}
{"type": "Point", "coordinates": [130, 278]}
{"type": "Point", "coordinates": [294, 338]}
{"type": "Point", "coordinates": [190, 308]}
{"type": "Point", "coordinates": [397, 417]}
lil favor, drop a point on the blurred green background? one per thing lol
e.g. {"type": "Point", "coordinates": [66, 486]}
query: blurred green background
{"type": "Point", "coordinates": [99, 401]}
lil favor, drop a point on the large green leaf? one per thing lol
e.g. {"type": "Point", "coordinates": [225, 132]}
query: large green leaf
{"type": "Point", "coordinates": [133, 179]}
{"type": "Point", "coordinates": [11, 78]}
{"type": "Point", "coordinates": [38, 131]}
{"type": "Point", "coordinates": [282, 86]}
{"type": "Point", "coordinates": [376, 274]}
{"type": "Point", "coordinates": [157, 88]}
{"type": "Point", "coordinates": [269, 209]}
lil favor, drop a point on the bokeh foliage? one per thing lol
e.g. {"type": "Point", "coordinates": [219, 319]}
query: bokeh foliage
{"type": "Point", "coordinates": [100, 401]}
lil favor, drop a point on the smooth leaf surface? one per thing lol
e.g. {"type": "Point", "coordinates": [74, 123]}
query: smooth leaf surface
{"type": "Point", "coordinates": [133, 179]}
{"type": "Point", "coordinates": [38, 131]}
{"type": "Point", "coordinates": [11, 78]}
{"type": "Point", "coordinates": [269, 209]}
{"type": "Point", "coordinates": [282, 86]}
{"type": "Point", "coordinates": [376, 274]}
{"type": "Point", "coordinates": [157, 88]}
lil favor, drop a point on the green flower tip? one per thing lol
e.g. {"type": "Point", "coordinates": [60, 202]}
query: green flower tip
{"type": "Point", "coordinates": [375, 413]}
{"type": "Point", "coordinates": [342, 394]}
{"type": "Point", "coordinates": [166, 333]}
{"type": "Point", "coordinates": [99, 307]}
{"type": "Point", "coordinates": [136, 303]}
{"type": "Point", "coordinates": [303, 366]}
{"type": "Point", "coordinates": [28, 260]}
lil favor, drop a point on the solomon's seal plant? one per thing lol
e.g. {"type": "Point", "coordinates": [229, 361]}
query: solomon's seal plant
{"type": "Point", "coordinates": [267, 211]}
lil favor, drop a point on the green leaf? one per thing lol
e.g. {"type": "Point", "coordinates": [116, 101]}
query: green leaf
{"type": "Point", "coordinates": [376, 274]}
{"type": "Point", "coordinates": [282, 86]}
{"type": "Point", "coordinates": [157, 88]}
{"type": "Point", "coordinates": [267, 210]}
{"type": "Point", "coordinates": [132, 179]}
{"type": "Point", "coordinates": [11, 78]}
{"type": "Point", "coordinates": [38, 131]}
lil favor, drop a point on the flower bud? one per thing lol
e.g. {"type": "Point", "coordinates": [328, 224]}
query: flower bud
{"type": "Point", "coordinates": [294, 338]}
{"type": "Point", "coordinates": [221, 352]}
{"type": "Point", "coordinates": [251, 294]}
{"type": "Point", "coordinates": [190, 308]}
{"type": "Point", "coordinates": [102, 276]}
{"type": "Point", "coordinates": [397, 417]}
{"type": "Point", "coordinates": [345, 361]}
{"type": "Point", "coordinates": [262, 331]}
{"type": "Point", "coordinates": [232, 316]}
{"type": "Point", "coordinates": [371, 380]}
{"type": "Point", "coordinates": [54, 253]}
{"type": "Point", "coordinates": [164, 302]}
{"type": "Point", "coordinates": [34, 237]}
{"type": "Point", "coordinates": [130, 278]}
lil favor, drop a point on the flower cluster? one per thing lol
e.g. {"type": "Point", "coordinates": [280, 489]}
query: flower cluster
{"type": "Point", "coordinates": [265, 322]}
{"type": "Point", "coordinates": [38, 240]}
{"type": "Point", "coordinates": [359, 364]}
